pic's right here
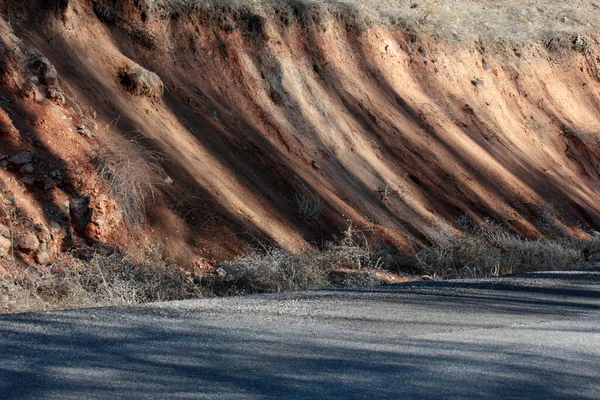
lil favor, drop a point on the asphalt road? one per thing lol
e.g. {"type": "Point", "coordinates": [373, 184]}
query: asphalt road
{"type": "Point", "coordinates": [533, 336]}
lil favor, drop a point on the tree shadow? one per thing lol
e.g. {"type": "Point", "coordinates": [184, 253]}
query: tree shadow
{"type": "Point", "coordinates": [409, 348]}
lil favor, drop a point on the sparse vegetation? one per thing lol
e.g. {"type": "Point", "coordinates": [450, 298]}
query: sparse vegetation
{"type": "Point", "coordinates": [490, 251]}
{"type": "Point", "coordinates": [274, 269]}
{"type": "Point", "coordinates": [132, 173]}
{"type": "Point", "coordinates": [100, 281]}
{"type": "Point", "coordinates": [117, 280]}
{"type": "Point", "coordinates": [349, 261]}
{"type": "Point", "coordinates": [458, 20]}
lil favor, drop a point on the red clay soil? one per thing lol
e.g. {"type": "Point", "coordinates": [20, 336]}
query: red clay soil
{"type": "Point", "coordinates": [405, 135]}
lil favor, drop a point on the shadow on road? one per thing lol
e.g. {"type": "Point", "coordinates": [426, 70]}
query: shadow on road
{"type": "Point", "coordinates": [437, 340]}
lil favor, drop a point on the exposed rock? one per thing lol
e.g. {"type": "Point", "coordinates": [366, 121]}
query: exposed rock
{"type": "Point", "coordinates": [32, 92]}
{"type": "Point", "coordinates": [51, 76]}
{"type": "Point", "coordinates": [81, 213]}
{"type": "Point", "coordinates": [27, 243]}
{"type": "Point", "coordinates": [83, 130]}
{"type": "Point", "coordinates": [4, 231]}
{"type": "Point", "coordinates": [5, 243]}
{"type": "Point", "coordinates": [28, 180]}
{"type": "Point", "coordinates": [27, 169]}
{"type": "Point", "coordinates": [142, 82]}
{"type": "Point", "coordinates": [49, 184]}
{"type": "Point", "coordinates": [43, 233]}
{"type": "Point", "coordinates": [22, 158]}
{"type": "Point", "coordinates": [56, 95]}
{"type": "Point", "coordinates": [42, 68]}
{"type": "Point", "coordinates": [42, 258]}
{"type": "Point", "coordinates": [230, 271]}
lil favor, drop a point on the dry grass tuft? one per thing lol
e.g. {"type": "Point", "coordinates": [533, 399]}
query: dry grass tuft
{"type": "Point", "coordinates": [495, 253]}
{"type": "Point", "coordinates": [274, 270]}
{"type": "Point", "coordinates": [133, 174]}
{"type": "Point", "coordinates": [104, 280]}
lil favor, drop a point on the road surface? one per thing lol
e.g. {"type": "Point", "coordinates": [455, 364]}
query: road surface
{"type": "Point", "coordinates": [532, 336]}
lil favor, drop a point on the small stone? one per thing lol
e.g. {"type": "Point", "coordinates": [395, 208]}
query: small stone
{"type": "Point", "coordinates": [23, 158]}
{"type": "Point", "coordinates": [28, 242]}
{"type": "Point", "coordinates": [4, 231]}
{"type": "Point", "coordinates": [99, 222]}
{"type": "Point", "coordinates": [27, 169]}
{"type": "Point", "coordinates": [83, 130]}
{"type": "Point", "coordinates": [56, 95]}
{"type": "Point", "coordinates": [169, 180]}
{"type": "Point", "coordinates": [42, 258]}
{"type": "Point", "coordinates": [43, 247]}
{"type": "Point", "coordinates": [5, 243]}
{"type": "Point", "coordinates": [35, 80]}
{"type": "Point", "coordinates": [49, 184]}
{"type": "Point", "coordinates": [51, 76]}
{"type": "Point", "coordinates": [28, 180]}
{"type": "Point", "coordinates": [43, 234]}
{"type": "Point", "coordinates": [8, 202]}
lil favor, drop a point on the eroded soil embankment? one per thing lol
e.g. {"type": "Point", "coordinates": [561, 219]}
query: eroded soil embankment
{"type": "Point", "coordinates": [282, 131]}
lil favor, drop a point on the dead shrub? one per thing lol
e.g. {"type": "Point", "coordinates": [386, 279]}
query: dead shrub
{"type": "Point", "coordinates": [106, 14]}
{"type": "Point", "coordinates": [102, 281]}
{"type": "Point", "coordinates": [141, 82]}
{"type": "Point", "coordinates": [501, 253]}
{"type": "Point", "coordinates": [273, 269]}
{"type": "Point", "coordinates": [116, 280]}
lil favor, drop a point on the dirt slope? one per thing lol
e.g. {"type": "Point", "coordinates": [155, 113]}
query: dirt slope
{"type": "Point", "coordinates": [282, 128]}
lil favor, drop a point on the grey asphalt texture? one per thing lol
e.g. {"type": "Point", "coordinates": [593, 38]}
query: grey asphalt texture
{"type": "Point", "coordinates": [535, 336]}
